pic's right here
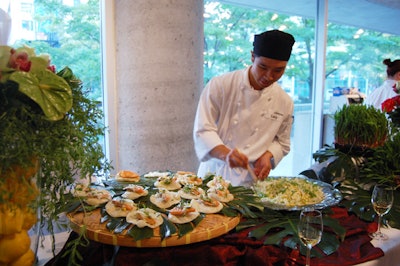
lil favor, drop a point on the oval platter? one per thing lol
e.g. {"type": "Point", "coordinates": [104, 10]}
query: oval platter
{"type": "Point", "coordinates": [332, 197]}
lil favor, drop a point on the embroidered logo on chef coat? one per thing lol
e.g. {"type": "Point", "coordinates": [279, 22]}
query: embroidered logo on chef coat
{"type": "Point", "coordinates": [276, 116]}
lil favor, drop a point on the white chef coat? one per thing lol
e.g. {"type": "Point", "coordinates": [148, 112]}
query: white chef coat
{"type": "Point", "coordinates": [380, 94]}
{"type": "Point", "coordinates": [232, 113]}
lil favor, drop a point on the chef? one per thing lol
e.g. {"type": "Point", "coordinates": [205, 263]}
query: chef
{"type": "Point", "coordinates": [244, 118]}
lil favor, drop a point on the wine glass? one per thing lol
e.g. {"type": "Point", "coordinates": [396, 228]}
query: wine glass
{"type": "Point", "coordinates": [382, 201]}
{"type": "Point", "coordinates": [310, 228]}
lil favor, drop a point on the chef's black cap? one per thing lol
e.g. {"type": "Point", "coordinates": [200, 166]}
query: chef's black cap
{"type": "Point", "coordinates": [274, 44]}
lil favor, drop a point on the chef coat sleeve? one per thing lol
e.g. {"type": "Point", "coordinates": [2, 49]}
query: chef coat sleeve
{"type": "Point", "coordinates": [205, 131]}
{"type": "Point", "coordinates": [280, 147]}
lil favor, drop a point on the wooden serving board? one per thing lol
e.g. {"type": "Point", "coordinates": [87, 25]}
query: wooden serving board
{"type": "Point", "coordinates": [213, 225]}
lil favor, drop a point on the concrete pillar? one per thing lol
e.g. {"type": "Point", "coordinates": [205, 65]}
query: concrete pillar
{"type": "Point", "coordinates": [159, 67]}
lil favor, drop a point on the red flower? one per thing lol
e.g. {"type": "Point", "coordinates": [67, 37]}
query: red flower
{"type": "Point", "coordinates": [390, 104]}
{"type": "Point", "coordinates": [52, 68]}
{"type": "Point", "coordinates": [19, 61]}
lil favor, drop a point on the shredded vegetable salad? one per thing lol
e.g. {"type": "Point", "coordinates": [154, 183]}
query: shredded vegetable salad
{"type": "Point", "coordinates": [289, 192]}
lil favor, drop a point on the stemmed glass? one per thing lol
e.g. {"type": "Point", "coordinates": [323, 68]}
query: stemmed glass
{"type": "Point", "coordinates": [382, 201]}
{"type": "Point", "coordinates": [310, 228]}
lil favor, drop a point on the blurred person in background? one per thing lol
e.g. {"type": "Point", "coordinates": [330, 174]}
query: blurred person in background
{"type": "Point", "coordinates": [385, 91]}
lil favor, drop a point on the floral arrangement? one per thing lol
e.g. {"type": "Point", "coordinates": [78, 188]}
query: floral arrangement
{"type": "Point", "coordinates": [392, 106]}
{"type": "Point", "coordinates": [49, 139]}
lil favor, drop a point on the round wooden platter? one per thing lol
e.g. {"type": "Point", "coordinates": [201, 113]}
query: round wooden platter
{"type": "Point", "coordinates": [213, 225]}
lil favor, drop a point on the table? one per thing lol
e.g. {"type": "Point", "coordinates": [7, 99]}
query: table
{"type": "Point", "coordinates": [235, 248]}
{"type": "Point", "coordinates": [390, 247]}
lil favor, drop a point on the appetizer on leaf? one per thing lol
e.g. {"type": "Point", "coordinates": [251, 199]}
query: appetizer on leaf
{"type": "Point", "coordinates": [218, 181]}
{"type": "Point", "coordinates": [190, 191]}
{"type": "Point", "coordinates": [157, 174]}
{"type": "Point", "coordinates": [205, 204]}
{"type": "Point", "coordinates": [220, 193]}
{"type": "Point", "coordinates": [96, 196]}
{"type": "Point", "coordinates": [127, 176]}
{"type": "Point", "coordinates": [182, 214]}
{"type": "Point", "coordinates": [168, 182]}
{"type": "Point", "coordinates": [134, 191]}
{"type": "Point", "coordinates": [119, 207]}
{"type": "Point", "coordinates": [165, 198]}
{"type": "Point", "coordinates": [145, 217]}
{"type": "Point", "coordinates": [188, 178]}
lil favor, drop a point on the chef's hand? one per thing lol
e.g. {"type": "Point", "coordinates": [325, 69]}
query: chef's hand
{"type": "Point", "coordinates": [232, 156]}
{"type": "Point", "coordinates": [263, 166]}
{"type": "Point", "coordinates": [237, 159]}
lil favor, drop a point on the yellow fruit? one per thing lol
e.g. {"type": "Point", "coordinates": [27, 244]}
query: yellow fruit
{"type": "Point", "coordinates": [14, 246]}
{"type": "Point", "coordinates": [30, 218]}
{"type": "Point", "coordinates": [27, 259]}
{"type": "Point", "coordinates": [11, 219]}
{"type": "Point", "coordinates": [18, 184]}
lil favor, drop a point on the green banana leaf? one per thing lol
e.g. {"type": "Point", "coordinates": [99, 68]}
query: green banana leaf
{"type": "Point", "coordinates": [280, 228]}
{"type": "Point", "coordinates": [358, 201]}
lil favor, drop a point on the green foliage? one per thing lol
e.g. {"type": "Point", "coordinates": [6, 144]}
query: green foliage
{"type": "Point", "coordinates": [74, 256]}
{"type": "Point", "coordinates": [357, 172]}
{"type": "Point", "coordinates": [358, 201]}
{"type": "Point", "coordinates": [70, 150]}
{"type": "Point", "coordinates": [280, 228]}
{"type": "Point", "coordinates": [67, 149]}
{"type": "Point", "coordinates": [384, 164]}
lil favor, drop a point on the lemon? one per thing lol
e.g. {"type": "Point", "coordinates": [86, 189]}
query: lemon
{"type": "Point", "coordinates": [14, 246]}
{"type": "Point", "coordinates": [30, 218]}
{"type": "Point", "coordinates": [27, 259]}
{"type": "Point", "coordinates": [11, 219]}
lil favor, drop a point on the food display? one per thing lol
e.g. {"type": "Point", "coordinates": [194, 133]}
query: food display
{"type": "Point", "coordinates": [96, 196]}
{"type": "Point", "coordinates": [145, 217]}
{"type": "Point", "coordinates": [127, 176]}
{"type": "Point", "coordinates": [169, 182]}
{"type": "Point", "coordinates": [206, 204]}
{"type": "Point", "coordinates": [142, 208]}
{"type": "Point", "coordinates": [133, 192]}
{"type": "Point", "coordinates": [190, 191]}
{"type": "Point", "coordinates": [295, 193]}
{"type": "Point", "coordinates": [165, 198]}
{"type": "Point", "coordinates": [120, 207]}
{"type": "Point", "coordinates": [182, 214]}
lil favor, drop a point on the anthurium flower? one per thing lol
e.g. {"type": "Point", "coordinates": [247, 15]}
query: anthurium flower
{"type": "Point", "coordinates": [37, 79]}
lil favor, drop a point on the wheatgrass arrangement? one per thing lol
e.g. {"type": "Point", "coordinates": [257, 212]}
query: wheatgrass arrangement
{"type": "Point", "coordinates": [361, 126]}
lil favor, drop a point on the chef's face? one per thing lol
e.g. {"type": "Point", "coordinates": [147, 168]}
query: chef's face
{"type": "Point", "coordinates": [265, 71]}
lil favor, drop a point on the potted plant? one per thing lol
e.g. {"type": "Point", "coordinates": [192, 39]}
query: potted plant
{"type": "Point", "coordinates": [360, 126]}
{"type": "Point", "coordinates": [365, 153]}
{"type": "Point", "coordinates": [49, 132]}
{"type": "Point", "coordinates": [358, 130]}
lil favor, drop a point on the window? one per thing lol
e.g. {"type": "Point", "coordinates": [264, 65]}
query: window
{"type": "Point", "coordinates": [27, 7]}
{"type": "Point", "coordinates": [353, 61]}
{"type": "Point", "coordinates": [27, 25]}
{"type": "Point", "coordinates": [67, 30]}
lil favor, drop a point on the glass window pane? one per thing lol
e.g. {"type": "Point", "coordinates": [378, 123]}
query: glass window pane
{"type": "Point", "coordinates": [229, 31]}
{"type": "Point", "coordinates": [69, 31]}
